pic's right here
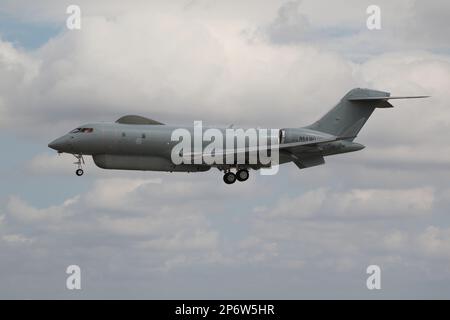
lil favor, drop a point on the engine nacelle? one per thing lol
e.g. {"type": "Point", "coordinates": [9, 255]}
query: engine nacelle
{"type": "Point", "coordinates": [291, 135]}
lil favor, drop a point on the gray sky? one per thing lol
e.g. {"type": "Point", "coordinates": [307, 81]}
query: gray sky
{"type": "Point", "coordinates": [299, 234]}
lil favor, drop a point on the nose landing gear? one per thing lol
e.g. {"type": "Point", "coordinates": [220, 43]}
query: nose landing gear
{"type": "Point", "coordinates": [80, 161]}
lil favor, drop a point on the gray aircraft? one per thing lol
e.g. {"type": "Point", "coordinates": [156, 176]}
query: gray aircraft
{"type": "Point", "coordinates": [138, 143]}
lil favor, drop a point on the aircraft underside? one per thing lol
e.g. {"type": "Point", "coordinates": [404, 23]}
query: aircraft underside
{"type": "Point", "coordinates": [232, 172]}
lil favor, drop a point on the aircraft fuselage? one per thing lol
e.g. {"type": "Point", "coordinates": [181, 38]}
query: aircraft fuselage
{"type": "Point", "coordinates": [149, 147]}
{"type": "Point", "coordinates": [138, 143]}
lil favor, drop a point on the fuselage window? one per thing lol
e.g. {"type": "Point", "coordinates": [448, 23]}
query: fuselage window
{"type": "Point", "coordinates": [143, 136]}
{"type": "Point", "coordinates": [123, 135]}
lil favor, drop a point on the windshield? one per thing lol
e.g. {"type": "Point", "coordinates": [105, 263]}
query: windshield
{"type": "Point", "coordinates": [84, 130]}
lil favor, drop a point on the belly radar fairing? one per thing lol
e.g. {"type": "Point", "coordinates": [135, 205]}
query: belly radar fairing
{"type": "Point", "coordinates": [139, 143]}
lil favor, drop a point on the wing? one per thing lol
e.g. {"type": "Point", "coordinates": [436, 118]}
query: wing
{"type": "Point", "coordinates": [239, 151]}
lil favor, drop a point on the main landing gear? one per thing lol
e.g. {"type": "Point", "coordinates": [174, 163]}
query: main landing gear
{"type": "Point", "coordinates": [80, 161]}
{"type": "Point", "coordinates": [230, 177]}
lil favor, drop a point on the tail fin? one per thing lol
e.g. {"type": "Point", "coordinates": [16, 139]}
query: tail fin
{"type": "Point", "coordinates": [351, 113]}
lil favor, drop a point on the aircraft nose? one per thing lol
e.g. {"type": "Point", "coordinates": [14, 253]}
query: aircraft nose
{"type": "Point", "coordinates": [57, 144]}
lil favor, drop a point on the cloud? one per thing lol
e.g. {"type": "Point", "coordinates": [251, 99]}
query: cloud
{"type": "Point", "coordinates": [75, 78]}
{"type": "Point", "coordinates": [2, 112]}
{"type": "Point", "coordinates": [396, 240]}
{"type": "Point", "coordinates": [200, 240]}
{"type": "Point", "coordinates": [341, 26]}
{"type": "Point", "coordinates": [16, 239]}
{"type": "Point", "coordinates": [356, 203]}
{"type": "Point", "coordinates": [385, 202]}
{"type": "Point", "coordinates": [45, 163]}
{"type": "Point", "coordinates": [405, 156]}
{"type": "Point", "coordinates": [435, 241]}
{"type": "Point", "coordinates": [113, 216]}
{"type": "Point", "coordinates": [289, 26]}
{"type": "Point", "coordinates": [430, 23]}
{"type": "Point", "coordinates": [135, 219]}
{"type": "Point", "coordinates": [149, 218]}
{"type": "Point", "coordinates": [119, 193]}
{"type": "Point", "coordinates": [79, 77]}
{"type": "Point", "coordinates": [21, 211]}
{"type": "Point", "coordinates": [307, 233]}
{"type": "Point", "coordinates": [304, 206]}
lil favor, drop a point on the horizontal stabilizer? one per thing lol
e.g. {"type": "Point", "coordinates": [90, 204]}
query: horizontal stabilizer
{"type": "Point", "coordinates": [131, 119]}
{"type": "Point", "coordinates": [382, 101]}
{"type": "Point", "coordinates": [384, 98]}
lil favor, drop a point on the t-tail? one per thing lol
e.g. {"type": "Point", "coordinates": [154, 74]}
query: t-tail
{"type": "Point", "coordinates": [348, 117]}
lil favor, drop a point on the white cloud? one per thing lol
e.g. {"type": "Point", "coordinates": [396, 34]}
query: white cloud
{"type": "Point", "coordinates": [396, 240]}
{"type": "Point", "coordinates": [119, 193]}
{"type": "Point", "coordinates": [385, 202]}
{"type": "Point", "coordinates": [435, 241]}
{"type": "Point", "coordinates": [77, 78]}
{"type": "Point", "coordinates": [2, 112]}
{"type": "Point", "coordinates": [182, 61]}
{"type": "Point", "coordinates": [46, 163]}
{"type": "Point", "coordinates": [199, 240]}
{"type": "Point", "coordinates": [407, 155]}
{"type": "Point", "coordinates": [356, 203]}
{"type": "Point", "coordinates": [153, 215]}
{"type": "Point", "coordinates": [304, 206]}
{"type": "Point", "coordinates": [81, 70]}
{"type": "Point", "coordinates": [429, 242]}
{"type": "Point", "coordinates": [17, 239]}
{"type": "Point", "coordinates": [23, 212]}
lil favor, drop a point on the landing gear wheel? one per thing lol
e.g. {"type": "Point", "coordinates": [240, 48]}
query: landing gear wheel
{"type": "Point", "coordinates": [229, 178]}
{"type": "Point", "coordinates": [242, 175]}
{"type": "Point", "coordinates": [79, 163]}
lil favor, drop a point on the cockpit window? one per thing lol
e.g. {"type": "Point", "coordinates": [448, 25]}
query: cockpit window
{"type": "Point", "coordinates": [84, 130]}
